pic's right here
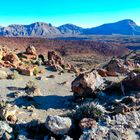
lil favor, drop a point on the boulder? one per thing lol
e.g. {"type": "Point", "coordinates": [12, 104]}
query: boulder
{"type": "Point", "coordinates": [132, 81]}
{"type": "Point", "coordinates": [3, 74]}
{"type": "Point", "coordinates": [12, 58]}
{"type": "Point", "coordinates": [58, 125]}
{"type": "Point", "coordinates": [26, 70]}
{"type": "Point", "coordinates": [87, 84]}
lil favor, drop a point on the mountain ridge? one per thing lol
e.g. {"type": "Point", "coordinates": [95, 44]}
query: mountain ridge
{"type": "Point", "coordinates": [42, 29]}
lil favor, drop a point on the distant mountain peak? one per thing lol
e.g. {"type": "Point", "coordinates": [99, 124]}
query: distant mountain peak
{"type": "Point", "coordinates": [123, 27]}
{"type": "Point", "coordinates": [41, 29]}
{"type": "Point", "coordinates": [127, 21]}
{"type": "Point", "coordinates": [70, 29]}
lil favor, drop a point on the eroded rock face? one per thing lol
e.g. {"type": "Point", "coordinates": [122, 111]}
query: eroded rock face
{"type": "Point", "coordinates": [58, 125]}
{"type": "Point", "coordinates": [56, 62]}
{"type": "Point", "coordinates": [8, 58]}
{"type": "Point", "coordinates": [87, 84]}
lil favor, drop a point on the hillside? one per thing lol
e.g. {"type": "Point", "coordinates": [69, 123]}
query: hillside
{"type": "Point", "coordinates": [65, 47]}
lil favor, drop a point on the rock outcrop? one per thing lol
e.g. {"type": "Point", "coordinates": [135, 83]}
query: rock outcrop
{"type": "Point", "coordinates": [12, 58]}
{"type": "Point", "coordinates": [26, 70]}
{"type": "Point", "coordinates": [120, 66]}
{"type": "Point", "coordinates": [8, 58]}
{"type": "Point", "coordinates": [57, 63]}
{"type": "Point", "coordinates": [30, 53]}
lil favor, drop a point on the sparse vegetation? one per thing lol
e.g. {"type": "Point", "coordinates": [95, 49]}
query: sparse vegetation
{"type": "Point", "coordinates": [31, 85]}
{"type": "Point", "coordinates": [36, 71]}
{"type": "Point", "coordinates": [3, 104]}
{"type": "Point", "coordinates": [14, 75]}
{"type": "Point", "coordinates": [89, 110]}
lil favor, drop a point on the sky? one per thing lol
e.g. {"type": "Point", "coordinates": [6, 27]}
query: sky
{"type": "Point", "coordinates": [84, 13]}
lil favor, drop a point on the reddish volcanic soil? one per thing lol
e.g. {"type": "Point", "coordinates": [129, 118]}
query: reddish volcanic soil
{"type": "Point", "coordinates": [65, 47]}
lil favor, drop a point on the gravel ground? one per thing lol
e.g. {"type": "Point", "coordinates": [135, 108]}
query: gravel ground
{"type": "Point", "coordinates": [56, 96]}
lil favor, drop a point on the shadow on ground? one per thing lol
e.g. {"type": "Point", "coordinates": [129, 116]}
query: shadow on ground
{"type": "Point", "coordinates": [45, 102]}
{"type": "Point", "coordinates": [12, 88]}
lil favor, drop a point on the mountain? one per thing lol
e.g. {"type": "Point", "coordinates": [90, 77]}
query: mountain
{"type": "Point", "coordinates": [40, 29]}
{"type": "Point", "coordinates": [33, 30]}
{"type": "Point", "coordinates": [123, 27]}
{"type": "Point", "coordinates": [70, 29]}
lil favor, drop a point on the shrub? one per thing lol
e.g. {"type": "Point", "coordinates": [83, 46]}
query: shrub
{"type": "Point", "coordinates": [31, 88]}
{"type": "Point", "coordinates": [14, 75]}
{"type": "Point", "coordinates": [36, 71]}
{"type": "Point", "coordinates": [31, 84]}
{"type": "Point", "coordinates": [89, 110]}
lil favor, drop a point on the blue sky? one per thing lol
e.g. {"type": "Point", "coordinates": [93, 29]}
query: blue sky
{"type": "Point", "coordinates": [86, 13]}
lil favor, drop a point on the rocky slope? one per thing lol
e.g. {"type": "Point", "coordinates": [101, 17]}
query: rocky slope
{"type": "Point", "coordinates": [40, 29]}
{"type": "Point", "coordinates": [49, 98]}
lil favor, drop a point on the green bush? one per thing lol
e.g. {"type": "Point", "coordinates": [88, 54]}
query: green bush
{"type": "Point", "coordinates": [36, 71]}
{"type": "Point", "coordinates": [89, 110]}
